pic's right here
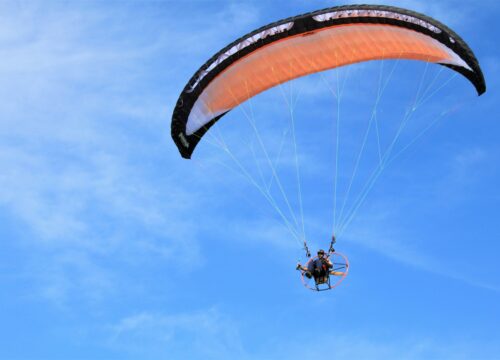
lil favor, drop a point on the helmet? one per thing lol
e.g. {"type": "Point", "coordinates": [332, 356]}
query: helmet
{"type": "Point", "coordinates": [321, 251]}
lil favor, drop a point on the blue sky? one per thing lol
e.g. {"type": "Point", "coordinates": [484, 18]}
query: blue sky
{"type": "Point", "coordinates": [113, 247]}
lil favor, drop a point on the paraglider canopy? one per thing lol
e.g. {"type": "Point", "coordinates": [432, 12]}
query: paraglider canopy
{"type": "Point", "coordinates": [307, 44]}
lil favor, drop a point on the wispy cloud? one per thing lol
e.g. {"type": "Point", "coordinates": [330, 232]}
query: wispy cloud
{"type": "Point", "coordinates": [85, 138]}
{"type": "Point", "coordinates": [208, 333]}
{"type": "Point", "coordinates": [406, 249]}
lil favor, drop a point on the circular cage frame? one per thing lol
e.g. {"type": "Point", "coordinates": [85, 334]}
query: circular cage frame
{"type": "Point", "coordinates": [339, 264]}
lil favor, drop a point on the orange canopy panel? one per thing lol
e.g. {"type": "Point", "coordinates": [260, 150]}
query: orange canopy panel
{"type": "Point", "coordinates": [309, 53]}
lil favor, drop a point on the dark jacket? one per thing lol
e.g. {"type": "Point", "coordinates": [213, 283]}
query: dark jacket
{"type": "Point", "coordinates": [319, 267]}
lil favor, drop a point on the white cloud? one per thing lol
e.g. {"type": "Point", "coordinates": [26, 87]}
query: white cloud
{"type": "Point", "coordinates": [87, 164]}
{"type": "Point", "coordinates": [392, 242]}
{"type": "Point", "coordinates": [208, 334]}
